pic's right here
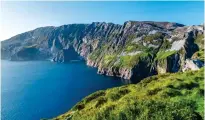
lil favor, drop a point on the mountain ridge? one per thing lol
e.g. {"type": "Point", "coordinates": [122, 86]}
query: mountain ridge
{"type": "Point", "coordinates": [127, 51]}
{"type": "Point", "coordinates": [90, 23]}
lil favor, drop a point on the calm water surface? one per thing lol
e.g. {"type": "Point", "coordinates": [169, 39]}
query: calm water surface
{"type": "Point", "coordinates": [42, 89]}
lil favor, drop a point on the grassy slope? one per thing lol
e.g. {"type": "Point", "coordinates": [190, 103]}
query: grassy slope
{"type": "Point", "coordinates": [200, 42]}
{"type": "Point", "coordinates": [163, 97]}
{"type": "Point", "coordinates": [114, 59]}
{"type": "Point", "coordinates": [164, 54]}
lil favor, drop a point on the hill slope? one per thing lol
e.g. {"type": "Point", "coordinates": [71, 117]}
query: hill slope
{"type": "Point", "coordinates": [178, 96]}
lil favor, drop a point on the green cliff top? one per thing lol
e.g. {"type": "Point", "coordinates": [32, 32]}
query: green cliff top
{"type": "Point", "coordinates": [162, 97]}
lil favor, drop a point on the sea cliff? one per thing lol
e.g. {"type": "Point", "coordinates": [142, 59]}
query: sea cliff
{"type": "Point", "coordinates": [136, 49]}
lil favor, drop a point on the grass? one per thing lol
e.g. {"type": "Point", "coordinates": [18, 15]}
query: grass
{"type": "Point", "coordinates": [199, 55]}
{"type": "Point", "coordinates": [129, 61]}
{"type": "Point", "coordinates": [166, 45]}
{"type": "Point", "coordinates": [97, 52]}
{"type": "Point", "coordinates": [164, 54]}
{"type": "Point", "coordinates": [151, 38]}
{"type": "Point", "coordinates": [108, 59]}
{"type": "Point", "coordinates": [199, 41]}
{"type": "Point", "coordinates": [126, 61]}
{"type": "Point", "coordinates": [132, 47]}
{"type": "Point", "coordinates": [94, 55]}
{"type": "Point", "coordinates": [163, 97]}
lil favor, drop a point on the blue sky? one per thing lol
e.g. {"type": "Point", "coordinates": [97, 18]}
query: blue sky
{"type": "Point", "coordinates": [18, 17]}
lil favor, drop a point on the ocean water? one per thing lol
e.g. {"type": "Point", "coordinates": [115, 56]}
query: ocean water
{"type": "Point", "coordinates": [43, 89]}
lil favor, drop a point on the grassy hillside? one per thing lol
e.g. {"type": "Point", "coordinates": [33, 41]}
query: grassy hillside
{"type": "Point", "coordinates": [176, 96]}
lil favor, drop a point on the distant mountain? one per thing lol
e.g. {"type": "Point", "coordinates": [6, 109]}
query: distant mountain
{"type": "Point", "coordinates": [136, 49]}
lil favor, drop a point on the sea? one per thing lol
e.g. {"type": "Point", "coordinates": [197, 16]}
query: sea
{"type": "Point", "coordinates": [32, 90]}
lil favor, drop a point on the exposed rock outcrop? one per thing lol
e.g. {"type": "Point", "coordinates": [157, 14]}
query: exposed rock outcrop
{"type": "Point", "coordinates": [192, 65]}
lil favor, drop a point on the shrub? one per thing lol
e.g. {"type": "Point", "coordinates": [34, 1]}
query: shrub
{"type": "Point", "coordinates": [199, 41]}
{"type": "Point", "coordinates": [172, 92]}
{"type": "Point", "coordinates": [165, 45]}
{"type": "Point", "coordinates": [94, 96]}
{"type": "Point", "coordinates": [152, 37]}
{"type": "Point", "coordinates": [100, 101]}
{"type": "Point", "coordinates": [154, 91]}
{"type": "Point", "coordinates": [79, 106]}
{"type": "Point", "coordinates": [117, 94]}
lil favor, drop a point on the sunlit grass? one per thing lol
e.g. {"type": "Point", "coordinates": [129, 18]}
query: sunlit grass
{"type": "Point", "coordinates": [161, 97]}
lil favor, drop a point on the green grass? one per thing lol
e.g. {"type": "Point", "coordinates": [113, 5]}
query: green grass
{"type": "Point", "coordinates": [132, 47]}
{"type": "Point", "coordinates": [109, 59]}
{"type": "Point", "coordinates": [199, 41]}
{"type": "Point", "coordinates": [99, 51]}
{"type": "Point", "coordinates": [165, 45]}
{"type": "Point", "coordinates": [129, 61]}
{"type": "Point", "coordinates": [177, 96]}
{"type": "Point", "coordinates": [94, 55]}
{"type": "Point", "coordinates": [199, 55]}
{"type": "Point", "coordinates": [151, 38]}
{"type": "Point", "coordinates": [164, 54]}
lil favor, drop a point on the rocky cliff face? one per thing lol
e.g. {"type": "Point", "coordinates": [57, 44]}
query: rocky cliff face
{"type": "Point", "coordinates": [132, 50]}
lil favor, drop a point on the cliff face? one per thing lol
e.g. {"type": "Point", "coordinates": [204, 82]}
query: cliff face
{"type": "Point", "coordinates": [132, 50]}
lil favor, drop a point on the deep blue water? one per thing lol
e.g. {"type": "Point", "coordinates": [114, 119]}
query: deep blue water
{"type": "Point", "coordinates": [42, 89]}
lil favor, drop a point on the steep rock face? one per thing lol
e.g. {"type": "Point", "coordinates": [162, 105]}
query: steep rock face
{"type": "Point", "coordinates": [183, 45]}
{"type": "Point", "coordinates": [66, 55]}
{"type": "Point", "coordinates": [192, 65]}
{"type": "Point", "coordinates": [124, 73]}
{"type": "Point", "coordinates": [132, 50]}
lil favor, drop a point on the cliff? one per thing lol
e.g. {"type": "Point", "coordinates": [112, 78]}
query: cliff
{"type": "Point", "coordinates": [132, 50]}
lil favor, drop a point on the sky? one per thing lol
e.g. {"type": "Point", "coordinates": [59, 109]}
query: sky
{"type": "Point", "coordinates": [18, 17]}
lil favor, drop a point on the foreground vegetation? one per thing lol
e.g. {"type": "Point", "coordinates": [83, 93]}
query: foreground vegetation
{"type": "Point", "coordinates": [178, 96]}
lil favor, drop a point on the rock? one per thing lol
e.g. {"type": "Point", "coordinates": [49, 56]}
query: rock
{"type": "Point", "coordinates": [125, 73]}
{"type": "Point", "coordinates": [192, 65]}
